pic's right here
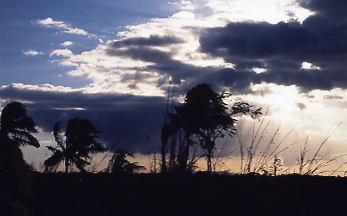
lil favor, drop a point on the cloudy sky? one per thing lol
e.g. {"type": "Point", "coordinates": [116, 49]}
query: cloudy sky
{"type": "Point", "coordinates": [112, 61]}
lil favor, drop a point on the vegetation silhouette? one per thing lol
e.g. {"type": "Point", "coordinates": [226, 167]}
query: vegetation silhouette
{"type": "Point", "coordinates": [16, 129]}
{"type": "Point", "coordinates": [202, 118]}
{"type": "Point", "coordinates": [76, 148]}
{"type": "Point", "coordinates": [120, 165]}
{"type": "Point", "coordinates": [196, 123]}
{"type": "Point", "coordinates": [196, 194]}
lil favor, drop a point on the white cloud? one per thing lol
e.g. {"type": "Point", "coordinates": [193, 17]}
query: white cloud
{"type": "Point", "coordinates": [106, 72]}
{"type": "Point", "coordinates": [61, 52]}
{"type": "Point", "coordinates": [43, 87]}
{"type": "Point", "coordinates": [271, 11]}
{"type": "Point", "coordinates": [259, 70]}
{"type": "Point", "coordinates": [32, 53]}
{"type": "Point", "coordinates": [67, 43]}
{"type": "Point", "coordinates": [309, 66]}
{"type": "Point", "coordinates": [65, 27]}
{"type": "Point", "coordinates": [184, 5]}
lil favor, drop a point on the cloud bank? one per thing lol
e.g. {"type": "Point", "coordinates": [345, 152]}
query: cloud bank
{"type": "Point", "coordinates": [281, 49]}
{"type": "Point", "coordinates": [126, 121]}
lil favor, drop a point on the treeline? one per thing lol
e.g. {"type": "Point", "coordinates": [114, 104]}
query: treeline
{"type": "Point", "coordinates": [188, 134]}
{"type": "Point", "coordinates": [74, 147]}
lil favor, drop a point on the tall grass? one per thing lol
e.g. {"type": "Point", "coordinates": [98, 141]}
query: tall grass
{"type": "Point", "coordinates": [262, 150]}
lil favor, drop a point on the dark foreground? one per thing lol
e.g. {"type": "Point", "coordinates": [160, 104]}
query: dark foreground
{"type": "Point", "coordinates": [104, 194]}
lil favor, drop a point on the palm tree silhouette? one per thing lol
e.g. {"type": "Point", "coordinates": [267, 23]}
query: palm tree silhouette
{"type": "Point", "coordinates": [76, 149]}
{"type": "Point", "coordinates": [16, 127]}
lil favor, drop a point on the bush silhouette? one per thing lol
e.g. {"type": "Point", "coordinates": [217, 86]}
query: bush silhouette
{"type": "Point", "coordinates": [120, 165]}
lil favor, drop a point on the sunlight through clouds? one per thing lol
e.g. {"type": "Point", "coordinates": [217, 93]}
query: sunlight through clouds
{"type": "Point", "coordinates": [188, 22]}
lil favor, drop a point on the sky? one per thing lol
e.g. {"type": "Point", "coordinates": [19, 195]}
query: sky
{"type": "Point", "coordinates": [112, 62]}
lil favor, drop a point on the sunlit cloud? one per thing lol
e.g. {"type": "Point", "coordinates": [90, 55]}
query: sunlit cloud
{"type": "Point", "coordinates": [43, 87]}
{"type": "Point", "coordinates": [259, 70]}
{"type": "Point", "coordinates": [106, 72]}
{"type": "Point", "coordinates": [309, 66]}
{"type": "Point", "coordinates": [67, 43]}
{"type": "Point", "coordinates": [271, 11]}
{"type": "Point", "coordinates": [65, 27]}
{"type": "Point", "coordinates": [32, 53]}
{"type": "Point", "coordinates": [61, 52]}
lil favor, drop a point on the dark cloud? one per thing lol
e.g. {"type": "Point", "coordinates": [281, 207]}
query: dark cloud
{"type": "Point", "coordinates": [255, 40]}
{"type": "Point", "coordinates": [163, 63]}
{"type": "Point", "coordinates": [185, 75]}
{"type": "Point", "coordinates": [238, 81]}
{"type": "Point", "coordinates": [279, 48]}
{"type": "Point", "coordinates": [282, 48]}
{"type": "Point", "coordinates": [153, 40]}
{"type": "Point", "coordinates": [126, 121]}
{"type": "Point", "coordinates": [138, 76]}
{"type": "Point", "coordinates": [334, 9]}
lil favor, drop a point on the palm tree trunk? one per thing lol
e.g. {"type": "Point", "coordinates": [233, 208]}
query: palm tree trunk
{"type": "Point", "coordinates": [172, 159]}
{"type": "Point", "coordinates": [66, 166]}
{"type": "Point", "coordinates": [163, 157]}
{"type": "Point", "coordinates": [209, 162]}
{"type": "Point", "coordinates": [185, 154]}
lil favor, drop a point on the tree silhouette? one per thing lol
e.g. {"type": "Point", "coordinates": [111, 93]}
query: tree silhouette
{"type": "Point", "coordinates": [76, 149]}
{"type": "Point", "coordinates": [119, 164]}
{"type": "Point", "coordinates": [205, 117]}
{"type": "Point", "coordinates": [16, 127]}
{"type": "Point", "coordinates": [16, 182]}
{"type": "Point", "coordinates": [178, 133]}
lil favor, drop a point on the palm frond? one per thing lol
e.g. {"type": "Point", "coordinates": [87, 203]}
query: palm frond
{"type": "Point", "coordinates": [24, 138]}
{"type": "Point", "coordinates": [53, 162]}
{"type": "Point", "coordinates": [25, 123]}
{"type": "Point", "coordinates": [57, 137]}
{"type": "Point", "coordinates": [14, 117]}
{"type": "Point", "coordinates": [80, 163]}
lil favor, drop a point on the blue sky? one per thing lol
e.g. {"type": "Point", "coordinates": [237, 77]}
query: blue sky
{"type": "Point", "coordinates": [106, 60]}
{"type": "Point", "coordinates": [21, 32]}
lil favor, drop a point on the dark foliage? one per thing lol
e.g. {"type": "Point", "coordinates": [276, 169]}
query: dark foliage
{"type": "Point", "coordinates": [120, 165]}
{"type": "Point", "coordinates": [76, 149]}
{"type": "Point", "coordinates": [16, 126]}
{"type": "Point", "coordinates": [204, 116]}
{"type": "Point", "coordinates": [15, 175]}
